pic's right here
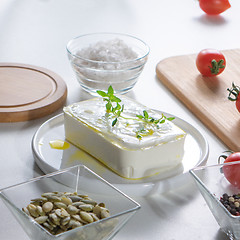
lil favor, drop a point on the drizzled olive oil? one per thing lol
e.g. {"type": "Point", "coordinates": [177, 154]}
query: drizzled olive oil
{"type": "Point", "coordinates": [59, 144]}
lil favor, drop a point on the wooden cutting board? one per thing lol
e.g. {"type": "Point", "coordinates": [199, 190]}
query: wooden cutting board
{"type": "Point", "coordinates": [28, 92]}
{"type": "Point", "coordinates": [206, 97]}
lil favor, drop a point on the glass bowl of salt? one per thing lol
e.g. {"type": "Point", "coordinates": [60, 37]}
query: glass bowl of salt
{"type": "Point", "coordinates": [103, 59]}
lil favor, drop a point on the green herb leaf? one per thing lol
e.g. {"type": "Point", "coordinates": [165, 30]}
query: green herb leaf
{"type": "Point", "coordinates": [114, 99]}
{"type": "Point", "coordinates": [139, 116]}
{"type": "Point", "coordinates": [102, 93]}
{"type": "Point", "coordinates": [112, 106]}
{"type": "Point", "coordinates": [145, 114]}
{"type": "Point", "coordinates": [150, 120]}
{"type": "Point", "coordinates": [108, 106]}
{"type": "Point", "coordinates": [170, 118]}
{"type": "Point", "coordinates": [114, 122]}
{"type": "Point", "coordinates": [110, 90]}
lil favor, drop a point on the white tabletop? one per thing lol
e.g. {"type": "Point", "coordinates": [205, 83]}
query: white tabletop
{"type": "Point", "coordinates": [36, 32]}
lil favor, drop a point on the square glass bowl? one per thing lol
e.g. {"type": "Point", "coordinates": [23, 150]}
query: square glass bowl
{"type": "Point", "coordinates": [212, 184]}
{"type": "Point", "coordinates": [78, 179]}
{"type": "Point", "coordinates": [103, 59]}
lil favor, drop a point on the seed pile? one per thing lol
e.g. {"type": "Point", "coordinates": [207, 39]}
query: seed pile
{"type": "Point", "coordinates": [231, 203]}
{"type": "Point", "coordinates": [62, 211]}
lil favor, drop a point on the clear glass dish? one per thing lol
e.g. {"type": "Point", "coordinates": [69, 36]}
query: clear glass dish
{"type": "Point", "coordinates": [99, 74]}
{"type": "Point", "coordinates": [212, 184]}
{"type": "Point", "coordinates": [78, 179]}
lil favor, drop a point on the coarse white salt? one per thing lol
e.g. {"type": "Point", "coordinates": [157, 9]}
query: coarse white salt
{"type": "Point", "coordinates": [115, 50]}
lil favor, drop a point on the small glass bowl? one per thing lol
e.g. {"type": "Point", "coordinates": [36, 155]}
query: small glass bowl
{"type": "Point", "coordinates": [212, 184]}
{"type": "Point", "coordinates": [78, 179]}
{"type": "Point", "coordinates": [99, 74]}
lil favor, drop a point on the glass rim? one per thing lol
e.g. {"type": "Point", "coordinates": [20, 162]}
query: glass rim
{"type": "Point", "coordinates": [147, 50]}
{"type": "Point", "coordinates": [133, 209]}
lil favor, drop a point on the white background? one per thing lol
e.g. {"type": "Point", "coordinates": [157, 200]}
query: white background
{"type": "Point", "coordinates": [36, 32]}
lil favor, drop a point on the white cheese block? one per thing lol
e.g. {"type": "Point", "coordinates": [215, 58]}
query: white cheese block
{"type": "Point", "coordinates": [89, 127]}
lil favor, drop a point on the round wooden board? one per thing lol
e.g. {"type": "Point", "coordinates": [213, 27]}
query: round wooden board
{"type": "Point", "coordinates": [28, 92]}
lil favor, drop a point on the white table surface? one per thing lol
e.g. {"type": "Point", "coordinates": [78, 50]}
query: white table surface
{"type": "Point", "coordinates": [36, 32]}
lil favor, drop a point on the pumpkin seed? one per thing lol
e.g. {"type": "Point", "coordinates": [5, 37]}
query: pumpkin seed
{"type": "Point", "coordinates": [105, 213]}
{"type": "Point", "coordinates": [60, 205]}
{"type": "Point", "coordinates": [26, 211]}
{"type": "Point", "coordinates": [73, 224]}
{"type": "Point", "coordinates": [62, 213]}
{"type": "Point", "coordinates": [54, 198]}
{"type": "Point", "coordinates": [54, 218]}
{"type": "Point", "coordinates": [48, 194]}
{"type": "Point", "coordinates": [48, 226]}
{"type": "Point", "coordinates": [86, 207]}
{"type": "Point", "coordinates": [40, 200]}
{"type": "Point", "coordinates": [86, 216]}
{"type": "Point", "coordinates": [65, 220]}
{"type": "Point", "coordinates": [47, 207]}
{"type": "Point", "coordinates": [89, 201]}
{"type": "Point", "coordinates": [66, 200]}
{"type": "Point", "coordinates": [95, 218]}
{"type": "Point", "coordinates": [77, 204]}
{"type": "Point", "coordinates": [72, 209]}
{"type": "Point", "coordinates": [97, 211]}
{"type": "Point", "coordinates": [101, 205]}
{"type": "Point", "coordinates": [32, 210]}
{"type": "Point", "coordinates": [41, 219]}
{"type": "Point", "coordinates": [58, 212]}
{"type": "Point", "coordinates": [40, 211]}
{"type": "Point", "coordinates": [75, 198]}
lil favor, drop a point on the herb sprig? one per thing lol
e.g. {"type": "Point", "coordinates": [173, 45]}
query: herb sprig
{"type": "Point", "coordinates": [114, 108]}
{"type": "Point", "coordinates": [113, 103]}
{"type": "Point", "coordinates": [146, 118]}
{"type": "Point", "coordinates": [150, 120]}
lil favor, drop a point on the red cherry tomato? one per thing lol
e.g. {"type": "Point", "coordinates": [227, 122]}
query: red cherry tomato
{"type": "Point", "coordinates": [210, 62]}
{"type": "Point", "coordinates": [234, 95]}
{"type": "Point", "coordinates": [232, 172]}
{"type": "Point", "coordinates": [238, 103]}
{"type": "Point", "coordinates": [214, 7]}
